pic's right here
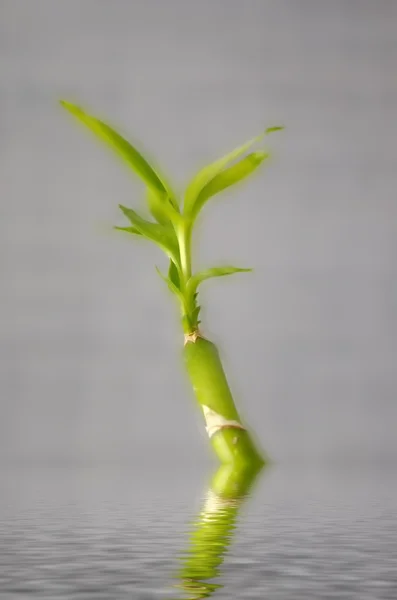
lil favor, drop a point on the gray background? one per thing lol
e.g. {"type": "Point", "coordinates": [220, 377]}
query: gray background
{"type": "Point", "coordinates": [89, 351]}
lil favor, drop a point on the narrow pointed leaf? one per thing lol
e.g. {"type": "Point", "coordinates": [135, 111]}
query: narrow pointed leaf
{"type": "Point", "coordinates": [228, 177]}
{"type": "Point", "coordinates": [172, 287]}
{"type": "Point", "coordinates": [121, 146]}
{"type": "Point", "coordinates": [173, 274]}
{"type": "Point", "coordinates": [204, 176]}
{"type": "Point", "coordinates": [128, 230]}
{"type": "Point", "coordinates": [195, 280]}
{"type": "Point", "coordinates": [195, 314]}
{"type": "Point", "coordinates": [155, 203]}
{"type": "Point", "coordinates": [162, 236]}
{"type": "Point", "coordinates": [274, 128]}
{"type": "Point", "coordinates": [161, 208]}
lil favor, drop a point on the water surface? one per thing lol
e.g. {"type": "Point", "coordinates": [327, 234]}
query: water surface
{"type": "Point", "coordinates": [103, 532]}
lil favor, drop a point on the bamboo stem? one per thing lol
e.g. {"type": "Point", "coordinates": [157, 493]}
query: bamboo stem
{"type": "Point", "coordinates": [184, 239]}
{"type": "Point", "coordinates": [230, 439]}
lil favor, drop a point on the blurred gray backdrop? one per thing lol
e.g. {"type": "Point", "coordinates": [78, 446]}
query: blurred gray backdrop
{"type": "Point", "coordinates": [90, 344]}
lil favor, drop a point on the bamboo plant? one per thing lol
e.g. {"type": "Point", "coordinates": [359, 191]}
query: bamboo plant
{"type": "Point", "coordinates": [171, 229]}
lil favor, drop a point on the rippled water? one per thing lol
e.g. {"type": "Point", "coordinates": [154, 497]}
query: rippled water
{"type": "Point", "coordinates": [80, 533]}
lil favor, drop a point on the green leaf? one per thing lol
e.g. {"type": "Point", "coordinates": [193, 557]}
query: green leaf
{"type": "Point", "coordinates": [172, 287]}
{"type": "Point", "coordinates": [274, 128]}
{"type": "Point", "coordinates": [228, 177]}
{"type": "Point", "coordinates": [128, 229]}
{"type": "Point", "coordinates": [161, 207]}
{"type": "Point", "coordinates": [173, 274]}
{"type": "Point", "coordinates": [163, 236]}
{"type": "Point", "coordinates": [198, 278]}
{"type": "Point", "coordinates": [195, 314]}
{"type": "Point", "coordinates": [206, 174]}
{"type": "Point", "coordinates": [122, 147]}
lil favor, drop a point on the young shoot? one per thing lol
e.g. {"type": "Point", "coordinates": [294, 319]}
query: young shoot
{"type": "Point", "coordinates": [171, 229]}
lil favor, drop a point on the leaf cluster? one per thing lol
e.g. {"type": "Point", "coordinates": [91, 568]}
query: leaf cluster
{"type": "Point", "coordinates": [173, 220]}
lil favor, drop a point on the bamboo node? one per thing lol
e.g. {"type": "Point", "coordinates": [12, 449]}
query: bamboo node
{"type": "Point", "coordinates": [215, 422]}
{"type": "Point", "coordinates": [192, 336]}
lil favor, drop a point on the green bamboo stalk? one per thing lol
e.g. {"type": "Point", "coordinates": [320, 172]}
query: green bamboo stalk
{"type": "Point", "coordinates": [213, 531]}
{"type": "Point", "coordinates": [230, 440]}
{"type": "Point", "coordinates": [172, 231]}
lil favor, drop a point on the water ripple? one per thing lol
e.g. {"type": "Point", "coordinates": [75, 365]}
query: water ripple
{"type": "Point", "coordinates": [64, 535]}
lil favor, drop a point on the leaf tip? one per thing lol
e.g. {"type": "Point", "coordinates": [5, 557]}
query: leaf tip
{"type": "Point", "coordinates": [66, 104]}
{"type": "Point", "coordinates": [72, 108]}
{"type": "Point", "coordinates": [259, 156]}
{"type": "Point", "coordinates": [274, 128]}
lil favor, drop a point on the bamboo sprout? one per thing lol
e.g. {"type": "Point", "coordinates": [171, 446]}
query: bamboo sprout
{"type": "Point", "coordinates": [171, 230]}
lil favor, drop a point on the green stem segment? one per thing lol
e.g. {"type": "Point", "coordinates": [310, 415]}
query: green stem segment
{"type": "Point", "coordinates": [184, 238]}
{"type": "Point", "coordinates": [231, 441]}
